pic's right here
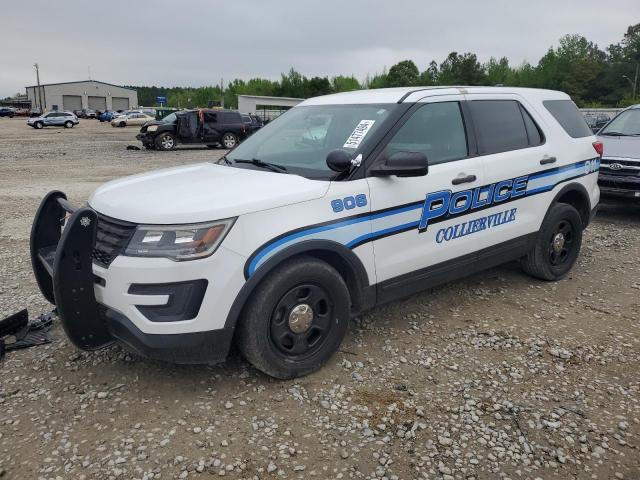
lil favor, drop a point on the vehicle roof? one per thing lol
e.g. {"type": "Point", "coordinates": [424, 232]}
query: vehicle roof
{"type": "Point", "coordinates": [413, 94]}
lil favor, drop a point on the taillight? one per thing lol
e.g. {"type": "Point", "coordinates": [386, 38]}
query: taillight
{"type": "Point", "coordinates": [599, 148]}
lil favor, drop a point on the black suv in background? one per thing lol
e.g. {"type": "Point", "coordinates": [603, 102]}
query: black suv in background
{"type": "Point", "coordinates": [252, 122]}
{"type": "Point", "coordinates": [204, 126]}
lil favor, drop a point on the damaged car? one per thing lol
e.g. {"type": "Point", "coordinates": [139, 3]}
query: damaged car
{"type": "Point", "coordinates": [194, 127]}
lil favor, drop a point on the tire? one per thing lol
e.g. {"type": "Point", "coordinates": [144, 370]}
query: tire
{"type": "Point", "coordinates": [38, 125]}
{"type": "Point", "coordinates": [557, 244]}
{"type": "Point", "coordinates": [122, 124]}
{"type": "Point", "coordinates": [165, 141]}
{"type": "Point", "coordinates": [282, 344]}
{"type": "Point", "coordinates": [229, 140]}
{"type": "Point", "coordinates": [68, 124]}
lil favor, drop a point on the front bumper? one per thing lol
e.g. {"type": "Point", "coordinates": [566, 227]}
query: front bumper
{"type": "Point", "coordinates": [619, 185]}
{"type": "Point", "coordinates": [134, 302]}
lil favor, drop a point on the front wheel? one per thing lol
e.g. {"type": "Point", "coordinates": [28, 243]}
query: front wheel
{"type": "Point", "coordinates": [557, 244]}
{"type": "Point", "coordinates": [229, 140]}
{"type": "Point", "coordinates": [296, 319]}
{"type": "Point", "coordinates": [165, 141]}
{"type": "Point", "coordinates": [38, 125]}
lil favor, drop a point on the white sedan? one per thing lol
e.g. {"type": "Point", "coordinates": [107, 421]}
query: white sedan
{"type": "Point", "coordinates": [134, 118]}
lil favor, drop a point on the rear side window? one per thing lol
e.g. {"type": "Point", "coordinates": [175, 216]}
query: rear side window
{"type": "Point", "coordinates": [568, 116]}
{"type": "Point", "coordinates": [502, 126]}
{"type": "Point", "coordinates": [231, 117]}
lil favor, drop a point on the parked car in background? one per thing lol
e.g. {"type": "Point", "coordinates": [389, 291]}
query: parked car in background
{"type": "Point", "coordinates": [597, 121]}
{"type": "Point", "coordinates": [87, 113]}
{"type": "Point", "coordinates": [620, 168]}
{"type": "Point", "coordinates": [61, 119]}
{"type": "Point", "coordinates": [204, 126]}
{"type": "Point", "coordinates": [7, 112]}
{"type": "Point", "coordinates": [22, 112]}
{"type": "Point", "coordinates": [107, 116]}
{"type": "Point", "coordinates": [35, 112]}
{"type": "Point", "coordinates": [251, 122]}
{"type": "Point", "coordinates": [134, 118]}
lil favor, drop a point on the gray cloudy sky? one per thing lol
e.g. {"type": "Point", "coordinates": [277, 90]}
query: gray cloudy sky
{"type": "Point", "coordinates": [196, 42]}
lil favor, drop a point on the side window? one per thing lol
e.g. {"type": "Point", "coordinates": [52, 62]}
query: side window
{"type": "Point", "coordinates": [231, 117]}
{"type": "Point", "coordinates": [210, 117]}
{"type": "Point", "coordinates": [500, 125]}
{"type": "Point", "coordinates": [533, 131]}
{"type": "Point", "coordinates": [435, 129]}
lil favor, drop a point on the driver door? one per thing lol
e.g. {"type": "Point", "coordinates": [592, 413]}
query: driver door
{"type": "Point", "coordinates": [407, 230]}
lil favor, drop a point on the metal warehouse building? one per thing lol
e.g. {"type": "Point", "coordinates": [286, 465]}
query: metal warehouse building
{"type": "Point", "coordinates": [85, 94]}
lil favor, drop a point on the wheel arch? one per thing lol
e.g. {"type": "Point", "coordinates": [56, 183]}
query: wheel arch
{"type": "Point", "coordinates": [575, 194]}
{"type": "Point", "coordinates": [344, 260]}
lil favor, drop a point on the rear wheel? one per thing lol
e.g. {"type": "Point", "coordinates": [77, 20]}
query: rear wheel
{"type": "Point", "coordinates": [68, 124]}
{"type": "Point", "coordinates": [296, 319]}
{"type": "Point", "coordinates": [122, 124]}
{"type": "Point", "coordinates": [165, 141]}
{"type": "Point", "coordinates": [557, 244]}
{"type": "Point", "coordinates": [229, 140]}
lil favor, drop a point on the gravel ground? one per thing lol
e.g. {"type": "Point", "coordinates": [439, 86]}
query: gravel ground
{"type": "Point", "coordinates": [495, 376]}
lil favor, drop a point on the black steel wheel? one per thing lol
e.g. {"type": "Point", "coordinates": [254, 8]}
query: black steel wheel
{"type": "Point", "coordinates": [557, 244]}
{"type": "Point", "coordinates": [296, 318]}
{"type": "Point", "coordinates": [301, 321]}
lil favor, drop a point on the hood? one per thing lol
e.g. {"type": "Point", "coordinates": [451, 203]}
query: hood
{"type": "Point", "coordinates": [624, 147]}
{"type": "Point", "coordinates": [200, 193]}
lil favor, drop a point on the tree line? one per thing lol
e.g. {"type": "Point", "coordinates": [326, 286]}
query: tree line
{"type": "Point", "coordinates": [592, 76]}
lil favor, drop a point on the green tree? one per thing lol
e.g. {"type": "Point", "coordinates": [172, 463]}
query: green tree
{"type": "Point", "coordinates": [341, 83]}
{"type": "Point", "coordinates": [498, 72]}
{"type": "Point", "coordinates": [403, 74]}
{"type": "Point", "coordinates": [461, 70]}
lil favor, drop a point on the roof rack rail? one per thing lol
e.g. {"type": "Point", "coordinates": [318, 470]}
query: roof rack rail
{"type": "Point", "coordinates": [404, 97]}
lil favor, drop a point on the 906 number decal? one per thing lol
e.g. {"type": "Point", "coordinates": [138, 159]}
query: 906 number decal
{"type": "Point", "coordinates": [349, 203]}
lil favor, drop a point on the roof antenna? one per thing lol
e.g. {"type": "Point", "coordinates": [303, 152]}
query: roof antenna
{"type": "Point", "coordinates": [89, 70]}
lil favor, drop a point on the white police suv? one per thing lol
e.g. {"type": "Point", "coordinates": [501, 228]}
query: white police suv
{"type": "Point", "coordinates": [344, 202]}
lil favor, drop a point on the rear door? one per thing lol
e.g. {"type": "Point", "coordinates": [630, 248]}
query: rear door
{"type": "Point", "coordinates": [211, 128]}
{"type": "Point", "coordinates": [412, 226]}
{"type": "Point", "coordinates": [512, 146]}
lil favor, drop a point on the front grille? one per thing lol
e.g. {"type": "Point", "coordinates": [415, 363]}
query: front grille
{"type": "Point", "coordinates": [111, 238]}
{"type": "Point", "coordinates": [625, 168]}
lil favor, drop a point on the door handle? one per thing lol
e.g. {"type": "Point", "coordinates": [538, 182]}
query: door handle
{"type": "Point", "coordinates": [548, 160]}
{"type": "Point", "coordinates": [467, 179]}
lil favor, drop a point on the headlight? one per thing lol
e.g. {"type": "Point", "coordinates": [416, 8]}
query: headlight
{"type": "Point", "coordinates": [152, 128]}
{"type": "Point", "coordinates": [178, 242]}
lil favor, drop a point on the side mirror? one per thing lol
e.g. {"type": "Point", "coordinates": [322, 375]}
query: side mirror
{"type": "Point", "coordinates": [338, 160]}
{"type": "Point", "coordinates": [403, 164]}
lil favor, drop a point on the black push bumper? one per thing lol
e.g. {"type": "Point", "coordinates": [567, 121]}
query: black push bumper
{"type": "Point", "coordinates": [62, 242]}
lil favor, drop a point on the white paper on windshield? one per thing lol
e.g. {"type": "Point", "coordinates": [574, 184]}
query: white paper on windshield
{"type": "Point", "coordinates": [358, 134]}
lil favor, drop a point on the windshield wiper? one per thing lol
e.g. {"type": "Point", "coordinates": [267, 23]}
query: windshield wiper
{"type": "Point", "coordinates": [615, 134]}
{"type": "Point", "coordinates": [274, 167]}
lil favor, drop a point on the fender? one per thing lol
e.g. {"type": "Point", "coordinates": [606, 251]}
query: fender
{"type": "Point", "coordinates": [363, 294]}
{"type": "Point", "coordinates": [578, 190]}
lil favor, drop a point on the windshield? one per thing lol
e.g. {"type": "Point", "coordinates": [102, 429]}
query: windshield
{"type": "Point", "coordinates": [301, 138]}
{"type": "Point", "coordinates": [171, 118]}
{"type": "Point", "coordinates": [627, 123]}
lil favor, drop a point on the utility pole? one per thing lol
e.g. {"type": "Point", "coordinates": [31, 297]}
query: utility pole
{"type": "Point", "coordinates": [634, 83]}
{"type": "Point", "coordinates": [39, 96]}
{"type": "Point", "coordinates": [222, 92]}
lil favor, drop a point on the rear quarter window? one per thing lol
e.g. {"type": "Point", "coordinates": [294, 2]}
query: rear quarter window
{"type": "Point", "coordinates": [231, 117]}
{"type": "Point", "coordinates": [569, 117]}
